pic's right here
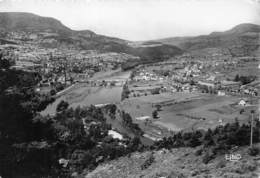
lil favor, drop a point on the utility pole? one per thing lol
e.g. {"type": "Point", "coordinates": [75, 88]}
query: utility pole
{"type": "Point", "coordinates": [252, 123]}
{"type": "Point", "coordinates": [65, 70]}
{"type": "Point", "coordinates": [64, 67]}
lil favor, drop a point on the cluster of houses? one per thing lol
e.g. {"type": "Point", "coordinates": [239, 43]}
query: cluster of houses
{"type": "Point", "coordinates": [64, 66]}
{"type": "Point", "coordinates": [201, 75]}
{"type": "Point", "coordinates": [147, 76]}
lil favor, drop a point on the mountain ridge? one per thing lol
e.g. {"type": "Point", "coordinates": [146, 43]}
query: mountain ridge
{"type": "Point", "coordinates": [53, 34]}
{"type": "Point", "coordinates": [241, 40]}
{"type": "Point", "coordinates": [30, 21]}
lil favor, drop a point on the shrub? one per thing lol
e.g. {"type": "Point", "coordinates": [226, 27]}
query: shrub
{"type": "Point", "coordinates": [62, 106]}
{"type": "Point", "coordinates": [221, 164]}
{"type": "Point", "coordinates": [249, 166]}
{"type": "Point", "coordinates": [53, 92]}
{"type": "Point", "coordinates": [158, 107]}
{"type": "Point", "coordinates": [198, 152]}
{"type": "Point", "coordinates": [207, 157]}
{"type": "Point", "coordinates": [176, 174]}
{"type": "Point", "coordinates": [148, 162]}
{"type": "Point", "coordinates": [194, 141]}
{"type": "Point", "coordinates": [155, 114]}
{"type": "Point", "coordinates": [253, 151]}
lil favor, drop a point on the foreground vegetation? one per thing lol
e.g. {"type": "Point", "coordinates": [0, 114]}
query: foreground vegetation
{"type": "Point", "coordinates": [177, 162]}
{"type": "Point", "coordinates": [215, 142]}
{"type": "Point", "coordinates": [42, 146]}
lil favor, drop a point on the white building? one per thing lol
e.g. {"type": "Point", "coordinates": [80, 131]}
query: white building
{"type": "Point", "coordinates": [115, 134]}
{"type": "Point", "coordinates": [242, 102]}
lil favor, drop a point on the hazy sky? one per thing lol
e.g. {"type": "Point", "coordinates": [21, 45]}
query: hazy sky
{"type": "Point", "coordinates": [143, 19]}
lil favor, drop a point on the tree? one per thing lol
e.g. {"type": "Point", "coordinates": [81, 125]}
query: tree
{"type": "Point", "coordinates": [208, 138]}
{"type": "Point", "coordinates": [155, 114]}
{"type": "Point", "coordinates": [194, 141]}
{"type": "Point", "coordinates": [127, 119]}
{"type": "Point", "coordinates": [113, 109]}
{"type": "Point", "coordinates": [134, 143]}
{"type": "Point", "coordinates": [236, 78]}
{"type": "Point", "coordinates": [125, 92]}
{"type": "Point", "coordinates": [158, 107]}
{"type": "Point", "coordinates": [62, 106]}
{"type": "Point", "coordinates": [53, 92]}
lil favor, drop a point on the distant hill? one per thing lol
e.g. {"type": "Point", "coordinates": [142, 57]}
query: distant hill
{"type": "Point", "coordinates": [151, 54]}
{"type": "Point", "coordinates": [30, 22]}
{"type": "Point", "coordinates": [59, 35]}
{"type": "Point", "coordinates": [242, 40]}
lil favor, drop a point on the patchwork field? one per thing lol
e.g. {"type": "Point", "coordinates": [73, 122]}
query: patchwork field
{"type": "Point", "coordinates": [187, 110]}
{"type": "Point", "coordinates": [245, 69]}
{"type": "Point", "coordinates": [84, 95]}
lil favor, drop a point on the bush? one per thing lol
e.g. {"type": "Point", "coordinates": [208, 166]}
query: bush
{"type": "Point", "coordinates": [207, 157]}
{"type": "Point", "coordinates": [175, 174]}
{"type": "Point", "coordinates": [221, 164]}
{"type": "Point", "coordinates": [158, 107]}
{"type": "Point", "coordinates": [194, 141]}
{"type": "Point", "coordinates": [62, 106]}
{"type": "Point", "coordinates": [253, 151]}
{"type": "Point", "coordinates": [53, 92]}
{"type": "Point", "coordinates": [198, 152]}
{"type": "Point", "coordinates": [249, 166]}
{"type": "Point", "coordinates": [148, 162]}
{"type": "Point", "coordinates": [155, 114]}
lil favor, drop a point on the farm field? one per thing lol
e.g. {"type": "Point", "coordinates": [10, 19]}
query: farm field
{"type": "Point", "coordinates": [185, 111]}
{"type": "Point", "coordinates": [85, 95]}
{"type": "Point", "coordinates": [245, 69]}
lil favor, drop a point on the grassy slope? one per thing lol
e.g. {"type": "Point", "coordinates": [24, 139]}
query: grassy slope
{"type": "Point", "coordinates": [181, 162]}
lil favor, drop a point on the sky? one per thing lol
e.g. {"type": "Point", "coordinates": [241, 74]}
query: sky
{"type": "Point", "coordinates": [139, 20]}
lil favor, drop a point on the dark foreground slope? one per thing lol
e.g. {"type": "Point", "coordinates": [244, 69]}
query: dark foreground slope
{"type": "Point", "coordinates": [181, 162]}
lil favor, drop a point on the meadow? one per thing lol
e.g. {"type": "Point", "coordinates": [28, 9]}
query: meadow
{"type": "Point", "coordinates": [187, 111]}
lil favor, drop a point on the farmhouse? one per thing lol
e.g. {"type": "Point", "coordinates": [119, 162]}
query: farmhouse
{"type": "Point", "coordinates": [242, 102]}
{"type": "Point", "coordinates": [143, 118]}
{"type": "Point", "coordinates": [221, 93]}
{"type": "Point", "coordinates": [208, 84]}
